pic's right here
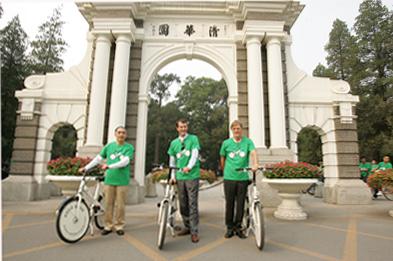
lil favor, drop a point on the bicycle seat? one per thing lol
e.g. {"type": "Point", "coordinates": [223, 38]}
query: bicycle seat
{"type": "Point", "coordinates": [100, 178]}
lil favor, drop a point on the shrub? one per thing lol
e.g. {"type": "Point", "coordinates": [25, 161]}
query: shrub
{"type": "Point", "coordinates": [381, 178]}
{"type": "Point", "coordinates": [288, 170]}
{"type": "Point", "coordinates": [69, 166]}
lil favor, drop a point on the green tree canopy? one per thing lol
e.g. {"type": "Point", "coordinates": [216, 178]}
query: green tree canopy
{"type": "Point", "coordinates": [14, 68]}
{"type": "Point", "coordinates": [49, 45]}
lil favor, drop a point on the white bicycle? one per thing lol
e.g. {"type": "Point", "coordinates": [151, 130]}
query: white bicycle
{"type": "Point", "coordinates": [167, 210]}
{"type": "Point", "coordinates": [78, 212]}
{"type": "Point", "coordinates": [253, 220]}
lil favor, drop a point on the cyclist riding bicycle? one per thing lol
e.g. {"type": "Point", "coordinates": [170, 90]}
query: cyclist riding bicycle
{"type": "Point", "coordinates": [235, 153]}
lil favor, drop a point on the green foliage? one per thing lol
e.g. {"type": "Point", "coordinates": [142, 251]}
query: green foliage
{"type": "Point", "coordinates": [309, 146]}
{"type": "Point", "coordinates": [292, 170]}
{"type": "Point", "coordinates": [162, 174]}
{"type": "Point", "coordinates": [13, 46]}
{"type": "Point", "coordinates": [159, 87]}
{"type": "Point", "coordinates": [365, 60]}
{"type": "Point", "coordinates": [322, 71]}
{"type": "Point", "coordinates": [64, 142]}
{"type": "Point", "coordinates": [67, 166]}
{"type": "Point", "coordinates": [1, 11]}
{"type": "Point", "coordinates": [204, 101]}
{"type": "Point", "coordinates": [49, 45]}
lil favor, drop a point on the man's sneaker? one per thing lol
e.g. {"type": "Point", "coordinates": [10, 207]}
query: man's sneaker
{"type": "Point", "coordinates": [194, 238]}
{"type": "Point", "coordinates": [229, 233]}
{"type": "Point", "coordinates": [183, 232]}
{"type": "Point", "coordinates": [106, 232]}
{"type": "Point", "coordinates": [240, 234]}
{"type": "Point", "coordinates": [120, 232]}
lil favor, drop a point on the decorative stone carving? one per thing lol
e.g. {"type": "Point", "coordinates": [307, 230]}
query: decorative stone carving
{"type": "Point", "coordinates": [346, 112]}
{"type": "Point", "coordinates": [34, 82]}
{"type": "Point", "coordinates": [340, 87]}
{"type": "Point", "coordinates": [27, 109]}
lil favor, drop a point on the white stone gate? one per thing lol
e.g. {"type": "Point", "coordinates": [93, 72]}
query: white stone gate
{"type": "Point", "coordinates": [248, 42]}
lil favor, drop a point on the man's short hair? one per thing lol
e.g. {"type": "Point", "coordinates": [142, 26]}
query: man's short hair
{"type": "Point", "coordinates": [182, 120]}
{"type": "Point", "coordinates": [236, 123]}
{"type": "Point", "coordinates": [120, 127]}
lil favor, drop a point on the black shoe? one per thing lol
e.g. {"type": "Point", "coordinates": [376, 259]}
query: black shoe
{"type": "Point", "coordinates": [183, 232]}
{"type": "Point", "coordinates": [106, 232]}
{"type": "Point", "coordinates": [120, 232]}
{"type": "Point", "coordinates": [240, 234]}
{"type": "Point", "coordinates": [229, 233]}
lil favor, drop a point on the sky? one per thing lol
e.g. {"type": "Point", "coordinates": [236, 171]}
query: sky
{"type": "Point", "coordinates": [310, 32]}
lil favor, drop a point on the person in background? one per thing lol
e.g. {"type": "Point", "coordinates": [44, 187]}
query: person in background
{"type": "Point", "coordinates": [374, 165]}
{"type": "Point", "coordinates": [365, 169]}
{"type": "Point", "coordinates": [383, 165]}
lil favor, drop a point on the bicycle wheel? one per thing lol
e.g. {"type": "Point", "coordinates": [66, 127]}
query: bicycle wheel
{"type": "Point", "coordinates": [387, 192]}
{"type": "Point", "coordinates": [72, 222]}
{"type": "Point", "coordinates": [259, 227]}
{"type": "Point", "coordinates": [162, 225]}
{"type": "Point", "coordinates": [99, 214]}
{"type": "Point", "coordinates": [311, 189]}
{"type": "Point", "coordinates": [246, 215]}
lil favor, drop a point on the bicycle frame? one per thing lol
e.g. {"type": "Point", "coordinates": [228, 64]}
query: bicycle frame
{"type": "Point", "coordinates": [170, 197]}
{"type": "Point", "coordinates": [91, 200]}
{"type": "Point", "coordinates": [253, 199]}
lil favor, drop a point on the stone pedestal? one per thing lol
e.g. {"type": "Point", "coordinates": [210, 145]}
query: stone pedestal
{"type": "Point", "coordinates": [136, 193]}
{"type": "Point", "coordinates": [151, 191]}
{"type": "Point", "coordinates": [269, 196]}
{"type": "Point", "coordinates": [24, 188]}
{"type": "Point", "coordinates": [347, 192]}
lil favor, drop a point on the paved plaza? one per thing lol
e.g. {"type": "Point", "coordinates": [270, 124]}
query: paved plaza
{"type": "Point", "coordinates": [331, 233]}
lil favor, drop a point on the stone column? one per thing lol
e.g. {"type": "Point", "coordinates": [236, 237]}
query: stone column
{"type": "Point", "coordinates": [276, 94]}
{"type": "Point", "coordinates": [118, 105]}
{"type": "Point", "coordinates": [96, 118]}
{"type": "Point", "coordinates": [256, 120]}
{"type": "Point", "coordinates": [143, 102]}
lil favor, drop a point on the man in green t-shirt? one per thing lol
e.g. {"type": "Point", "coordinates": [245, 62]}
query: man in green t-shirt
{"type": "Point", "coordinates": [235, 153]}
{"type": "Point", "coordinates": [118, 155]}
{"type": "Point", "coordinates": [183, 153]}
{"type": "Point", "coordinates": [365, 168]}
{"type": "Point", "coordinates": [383, 165]}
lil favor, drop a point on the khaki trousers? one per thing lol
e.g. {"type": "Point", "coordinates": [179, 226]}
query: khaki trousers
{"type": "Point", "coordinates": [115, 201]}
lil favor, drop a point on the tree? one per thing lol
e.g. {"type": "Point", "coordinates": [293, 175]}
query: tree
{"type": "Point", "coordinates": [322, 71]}
{"type": "Point", "coordinates": [49, 45]}
{"type": "Point", "coordinates": [204, 101]}
{"type": "Point", "coordinates": [64, 142]}
{"type": "Point", "coordinates": [159, 92]}
{"type": "Point", "coordinates": [1, 11]}
{"type": "Point", "coordinates": [309, 146]}
{"type": "Point", "coordinates": [341, 51]}
{"type": "Point", "coordinates": [13, 46]}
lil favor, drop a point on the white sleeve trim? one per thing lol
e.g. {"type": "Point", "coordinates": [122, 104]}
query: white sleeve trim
{"type": "Point", "coordinates": [97, 160]}
{"type": "Point", "coordinates": [193, 159]}
{"type": "Point", "coordinates": [122, 163]}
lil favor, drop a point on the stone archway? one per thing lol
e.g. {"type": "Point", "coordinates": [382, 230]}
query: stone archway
{"type": "Point", "coordinates": [153, 59]}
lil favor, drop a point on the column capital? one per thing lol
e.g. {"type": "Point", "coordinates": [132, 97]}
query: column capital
{"type": "Point", "coordinates": [259, 29]}
{"type": "Point", "coordinates": [103, 37]}
{"type": "Point", "coordinates": [232, 99]}
{"type": "Point", "coordinates": [123, 38]}
{"type": "Point", "coordinates": [115, 27]}
{"type": "Point", "coordinates": [143, 98]}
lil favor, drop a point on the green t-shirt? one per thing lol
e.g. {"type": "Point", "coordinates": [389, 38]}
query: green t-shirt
{"type": "Point", "coordinates": [112, 153]}
{"type": "Point", "coordinates": [237, 155]}
{"type": "Point", "coordinates": [382, 165]}
{"type": "Point", "coordinates": [374, 167]}
{"type": "Point", "coordinates": [182, 153]}
{"type": "Point", "coordinates": [364, 169]}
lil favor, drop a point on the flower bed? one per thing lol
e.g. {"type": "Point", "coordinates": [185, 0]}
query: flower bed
{"type": "Point", "coordinates": [70, 167]}
{"type": "Point", "coordinates": [292, 170]}
{"type": "Point", "coordinates": [162, 174]}
{"type": "Point", "coordinates": [381, 178]}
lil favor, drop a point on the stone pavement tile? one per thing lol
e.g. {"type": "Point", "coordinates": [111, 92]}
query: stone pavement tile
{"type": "Point", "coordinates": [236, 249]}
{"type": "Point", "coordinates": [27, 237]}
{"type": "Point", "coordinates": [111, 248]}
{"type": "Point", "coordinates": [374, 249]}
{"type": "Point", "coordinates": [315, 239]}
